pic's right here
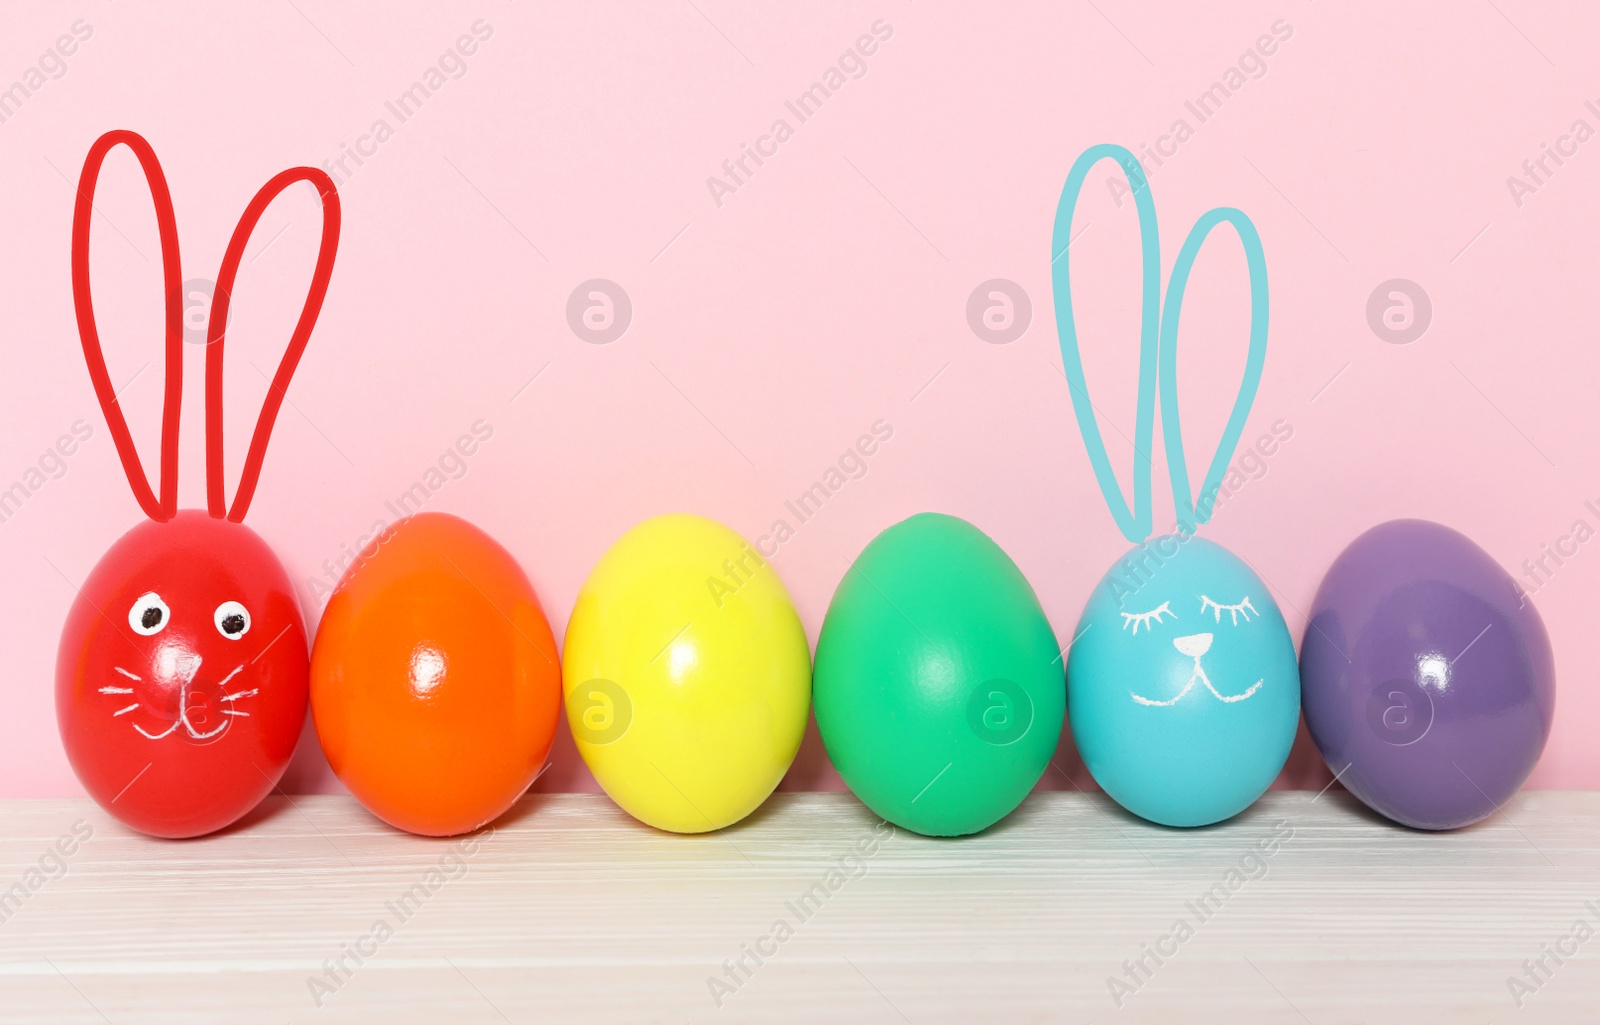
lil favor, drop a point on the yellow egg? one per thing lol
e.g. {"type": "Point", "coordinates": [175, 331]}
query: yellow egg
{"type": "Point", "coordinates": [687, 674]}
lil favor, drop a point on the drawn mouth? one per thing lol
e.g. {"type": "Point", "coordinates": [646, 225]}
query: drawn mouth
{"type": "Point", "coordinates": [1198, 676]}
{"type": "Point", "coordinates": [194, 711]}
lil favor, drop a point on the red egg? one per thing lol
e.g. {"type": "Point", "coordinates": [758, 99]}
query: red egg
{"type": "Point", "coordinates": [182, 677]}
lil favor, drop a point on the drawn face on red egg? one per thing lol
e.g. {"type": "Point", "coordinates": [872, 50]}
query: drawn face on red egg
{"type": "Point", "coordinates": [183, 675]}
{"type": "Point", "coordinates": [182, 678]}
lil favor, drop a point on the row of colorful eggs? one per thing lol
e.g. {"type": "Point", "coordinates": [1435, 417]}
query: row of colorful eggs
{"type": "Point", "coordinates": [436, 688]}
{"type": "Point", "coordinates": [939, 688]}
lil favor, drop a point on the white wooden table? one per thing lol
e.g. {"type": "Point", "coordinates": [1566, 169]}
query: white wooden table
{"type": "Point", "coordinates": [572, 912]}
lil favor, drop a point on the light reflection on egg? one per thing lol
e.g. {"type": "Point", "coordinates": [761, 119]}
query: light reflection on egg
{"type": "Point", "coordinates": [427, 669]}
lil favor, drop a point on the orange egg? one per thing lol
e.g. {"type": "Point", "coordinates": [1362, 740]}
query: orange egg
{"type": "Point", "coordinates": [435, 683]}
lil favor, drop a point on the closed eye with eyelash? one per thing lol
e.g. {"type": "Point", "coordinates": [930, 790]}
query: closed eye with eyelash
{"type": "Point", "coordinates": [1243, 608]}
{"type": "Point", "coordinates": [1131, 621]}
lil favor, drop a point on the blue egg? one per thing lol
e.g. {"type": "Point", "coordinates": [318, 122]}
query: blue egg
{"type": "Point", "coordinates": [1183, 691]}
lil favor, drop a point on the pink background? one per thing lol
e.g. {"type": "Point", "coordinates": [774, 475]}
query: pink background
{"type": "Point", "coordinates": [827, 292]}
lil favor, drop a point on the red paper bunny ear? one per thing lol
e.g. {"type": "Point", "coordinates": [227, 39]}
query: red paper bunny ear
{"type": "Point", "coordinates": [172, 278]}
{"type": "Point", "coordinates": [172, 287]}
{"type": "Point", "coordinates": [217, 329]}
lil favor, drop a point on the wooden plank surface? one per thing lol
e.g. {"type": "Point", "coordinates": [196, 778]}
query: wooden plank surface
{"type": "Point", "coordinates": [572, 912]}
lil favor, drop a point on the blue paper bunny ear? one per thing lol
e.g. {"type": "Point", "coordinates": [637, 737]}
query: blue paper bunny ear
{"type": "Point", "coordinates": [1134, 522]}
{"type": "Point", "coordinates": [1158, 349]}
{"type": "Point", "coordinates": [1189, 515]}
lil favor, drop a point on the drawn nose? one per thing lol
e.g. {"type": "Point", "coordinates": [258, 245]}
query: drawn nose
{"type": "Point", "coordinates": [1194, 645]}
{"type": "Point", "coordinates": [174, 664]}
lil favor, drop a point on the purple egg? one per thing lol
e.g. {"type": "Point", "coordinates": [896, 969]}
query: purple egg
{"type": "Point", "coordinates": [1426, 676]}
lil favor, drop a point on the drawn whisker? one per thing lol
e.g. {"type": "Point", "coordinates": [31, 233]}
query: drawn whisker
{"type": "Point", "coordinates": [236, 695]}
{"type": "Point", "coordinates": [116, 690]}
{"type": "Point", "coordinates": [129, 675]}
{"type": "Point", "coordinates": [124, 711]}
{"type": "Point", "coordinates": [224, 681]}
{"type": "Point", "coordinates": [242, 715]}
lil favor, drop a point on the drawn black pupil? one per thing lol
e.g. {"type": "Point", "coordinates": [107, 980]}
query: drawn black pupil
{"type": "Point", "coordinates": [232, 624]}
{"type": "Point", "coordinates": [151, 618]}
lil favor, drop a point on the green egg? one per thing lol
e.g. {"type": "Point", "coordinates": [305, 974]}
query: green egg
{"type": "Point", "coordinates": [938, 688]}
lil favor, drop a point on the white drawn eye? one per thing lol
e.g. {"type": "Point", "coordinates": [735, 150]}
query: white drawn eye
{"type": "Point", "coordinates": [1131, 621]}
{"type": "Point", "coordinates": [1244, 608]}
{"type": "Point", "coordinates": [149, 614]}
{"type": "Point", "coordinates": [232, 619]}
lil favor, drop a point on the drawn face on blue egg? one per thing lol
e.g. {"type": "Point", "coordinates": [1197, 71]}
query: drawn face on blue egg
{"type": "Point", "coordinates": [1183, 692]}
